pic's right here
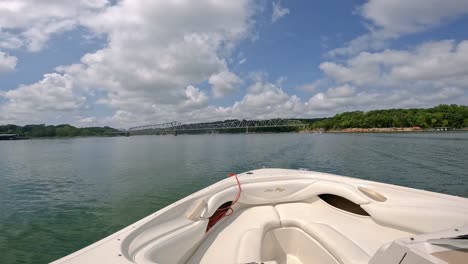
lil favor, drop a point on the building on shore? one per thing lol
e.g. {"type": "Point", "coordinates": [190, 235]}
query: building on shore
{"type": "Point", "coordinates": [11, 137]}
{"type": "Point", "coordinates": [442, 128]}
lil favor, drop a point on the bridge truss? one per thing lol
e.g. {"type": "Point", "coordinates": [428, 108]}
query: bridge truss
{"type": "Point", "coordinates": [237, 124]}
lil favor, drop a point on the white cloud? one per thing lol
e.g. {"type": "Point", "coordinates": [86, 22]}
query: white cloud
{"type": "Point", "coordinates": [224, 83]}
{"type": "Point", "coordinates": [341, 98]}
{"type": "Point", "coordinates": [341, 91]}
{"type": "Point", "coordinates": [53, 93]}
{"type": "Point", "coordinates": [263, 100]}
{"type": "Point", "coordinates": [31, 23]}
{"type": "Point", "coordinates": [153, 66]}
{"type": "Point", "coordinates": [278, 11]}
{"type": "Point", "coordinates": [428, 74]}
{"type": "Point", "coordinates": [432, 64]}
{"type": "Point", "coordinates": [194, 99]}
{"type": "Point", "coordinates": [122, 118]}
{"type": "Point", "coordinates": [51, 96]}
{"type": "Point", "coordinates": [399, 17]}
{"type": "Point", "coordinates": [349, 98]}
{"type": "Point", "coordinates": [356, 72]}
{"type": "Point", "coordinates": [313, 86]}
{"type": "Point", "coordinates": [369, 41]}
{"type": "Point", "coordinates": [7, 62]}
{"type": "Point", "coordinates": [9, 40]}
{"type": "Point", "coordinates": [88, 120]}
{"type": "Point", "coordinates": [153, 59]}
{"type": "Point", "coordinates": [387, 20]}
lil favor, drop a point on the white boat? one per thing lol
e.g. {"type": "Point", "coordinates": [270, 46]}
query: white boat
{"type": "Point", "coordinates": [277, 216]}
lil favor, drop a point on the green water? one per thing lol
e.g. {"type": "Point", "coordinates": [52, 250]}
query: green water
{"type": "Point", "coordinates": [59, 195]}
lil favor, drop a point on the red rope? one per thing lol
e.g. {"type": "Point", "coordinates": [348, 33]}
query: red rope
{"type": "Point", "coordinates": [220, 213]}
{"type": "Point", "coordinates": [238, 193]}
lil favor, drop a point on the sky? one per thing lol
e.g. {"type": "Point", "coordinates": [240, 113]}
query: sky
{"type": "Point", "coordinates": [125, 63]}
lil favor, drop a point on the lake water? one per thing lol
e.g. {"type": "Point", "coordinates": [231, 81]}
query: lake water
{"type": "Point", "coordinates": [59, 195]}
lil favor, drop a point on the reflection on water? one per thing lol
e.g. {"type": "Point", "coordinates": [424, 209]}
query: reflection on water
{"type": "Point", "coordinates": [59, 195]}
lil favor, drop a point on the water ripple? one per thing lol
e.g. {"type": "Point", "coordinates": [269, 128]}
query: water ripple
{"type": "Point", "coordinates": [61, 195]}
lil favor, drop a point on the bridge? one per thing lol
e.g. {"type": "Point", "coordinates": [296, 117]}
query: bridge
{"type": "Point", "coordinates": [175, 127]}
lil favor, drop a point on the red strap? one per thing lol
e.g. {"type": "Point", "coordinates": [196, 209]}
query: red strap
{"type": "Point", "coordinates": [238, 185]}
{"type": "Point", "coordinates": [220, 213]}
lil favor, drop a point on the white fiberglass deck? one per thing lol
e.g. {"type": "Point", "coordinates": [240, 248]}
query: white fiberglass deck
{"type": "Point", "coordinates": [291, 216]}
{"type": "Point", "coordinates": [312, 232]}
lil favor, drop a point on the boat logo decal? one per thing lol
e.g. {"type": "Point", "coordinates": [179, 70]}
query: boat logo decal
{"type": "Point", "coordinates": [278, 189]}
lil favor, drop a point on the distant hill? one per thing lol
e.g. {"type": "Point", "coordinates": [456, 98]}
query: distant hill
{"type": "Point", "coordinates": [58, 131]}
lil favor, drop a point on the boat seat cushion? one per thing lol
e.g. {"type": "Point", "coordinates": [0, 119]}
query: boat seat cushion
{"type": "Point", "coordinates": [237, 238]}
{"type": "Point", "coordinates": [338, 245]}
{"type": "Point", "coordinates": [250, 246]}
{"type": "Point", "coordinates": [347, 236]}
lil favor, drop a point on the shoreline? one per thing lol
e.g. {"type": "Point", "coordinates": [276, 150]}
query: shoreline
{"type": "Point", "coordinates": [387, 130]}
{"type": "Point", "coordinates": [314, 131]}
{"type": "Point", "coordinates": [380, 130]}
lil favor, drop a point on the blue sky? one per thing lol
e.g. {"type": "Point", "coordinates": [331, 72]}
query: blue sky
{"type": "Point", "coordinates": [125, 63]}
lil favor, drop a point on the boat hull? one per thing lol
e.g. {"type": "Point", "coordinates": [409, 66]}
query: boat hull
{"type": "Point", "coordinates": [335, 219]}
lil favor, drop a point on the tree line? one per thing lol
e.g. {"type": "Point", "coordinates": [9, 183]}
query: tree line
{"type": "Point", "coordinates": [58, 131]}
{"type": "Point", "coordinates": [453, 116]}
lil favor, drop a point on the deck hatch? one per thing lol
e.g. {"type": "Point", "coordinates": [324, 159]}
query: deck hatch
{"type": "Point", "coordinates": [343, 204]}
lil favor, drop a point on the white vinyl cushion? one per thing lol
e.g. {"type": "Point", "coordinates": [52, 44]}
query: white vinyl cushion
{"type": "Point", "coordinates": [250, 246]}
{"type": "Point", "coordinates": [223, 244]}
{"type": "Point", "coordinates": [339, 246]}
{"type": "Point", "coordinates": [345, 235]}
